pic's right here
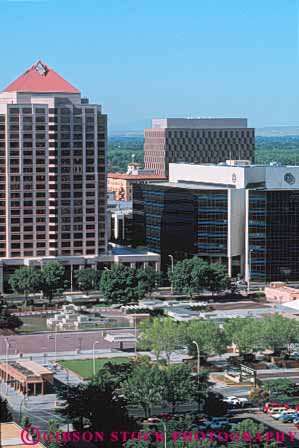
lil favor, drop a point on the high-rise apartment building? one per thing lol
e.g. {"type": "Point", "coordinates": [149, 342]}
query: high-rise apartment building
{"type": "Point", "coordinates": [52, 170]}
{"type": "Point", "coordinates": [196, 140]}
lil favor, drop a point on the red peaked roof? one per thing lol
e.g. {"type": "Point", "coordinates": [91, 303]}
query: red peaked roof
{"type": "Point", "coordinates": [41, 78]}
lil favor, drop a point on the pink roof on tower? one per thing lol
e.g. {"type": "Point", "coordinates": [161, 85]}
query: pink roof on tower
{"type": "Point", "coordinates": [41, 78]}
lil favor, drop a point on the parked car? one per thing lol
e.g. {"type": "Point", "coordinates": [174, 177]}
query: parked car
{"type": "Point", "coordinates": [278, 415]}
{"type": "Point", "coordinates": [288, 418]}
{"type": "Point", "coordinates": [270, 406]}
{"type": "Point", "coordinates": [231, 400]}
{"type": "Point", "coordinates": [236, 401]}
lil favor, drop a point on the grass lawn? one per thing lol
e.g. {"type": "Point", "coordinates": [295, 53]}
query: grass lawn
{"type": "Point", "coordinates": [34, 323]}
{"type": "Point", "coordinates": [83, 367]}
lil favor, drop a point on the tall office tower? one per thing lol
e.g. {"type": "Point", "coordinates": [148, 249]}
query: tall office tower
{"type": "Point", "coordinates": [196, 140]}
{"type": "Point", "coordinates": [52, 169]}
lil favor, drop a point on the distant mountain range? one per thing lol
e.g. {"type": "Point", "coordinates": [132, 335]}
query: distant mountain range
{"type": "Point", "coordinates": [268, 131]}
{"type": "Point", "coordinates": [277, 131]}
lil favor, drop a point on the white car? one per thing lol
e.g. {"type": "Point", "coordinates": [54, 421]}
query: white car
{"type": "Point", "coordinates": [236, 401]}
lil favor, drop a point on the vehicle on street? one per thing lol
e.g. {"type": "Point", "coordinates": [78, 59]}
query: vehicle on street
{"type": "Point", "coordinates": [288, 418]}
{"type": "Point", "coordinates": [278, 415]}
{"type": "Point", "coordinates": [236, 401]}
{"type": "Point", "coordinates": [269, 406]}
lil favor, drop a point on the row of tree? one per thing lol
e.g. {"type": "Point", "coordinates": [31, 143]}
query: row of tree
{"type": "Point", "coordinates": [164, 336]}
{"type": "Point", "coordinates": [121, 284]}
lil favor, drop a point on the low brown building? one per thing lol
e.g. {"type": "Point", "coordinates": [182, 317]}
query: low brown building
{"type": "Point", "coordinates": [26, 377]}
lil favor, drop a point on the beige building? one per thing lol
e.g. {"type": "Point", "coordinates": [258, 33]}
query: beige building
{"type": "Point", "coordinates": [196, 140]}
{"type": "Point", "coordinates": [11, 437]}
{"type": "Point", "coordinates": [280, 292]}
{"type": "Point", "coordinates": [122, 184]}
{"type": "Point", "coordinates": [52, 172]}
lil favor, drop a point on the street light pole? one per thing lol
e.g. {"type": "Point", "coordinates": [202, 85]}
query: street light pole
{"type": "Point", "coordinates": [6, 361]}
{"type": "Point", "coordinates": [93, 358]}
{"type": "Point", "coordinates": [22, 404]}
{"type": "Point", "coordinates": [135, 330]}
{"type": "Point", "coordinates": [198, 359]}
{"type": "Point", "coordinates": [171, 259]}
{"type": "Point", "coordinates": [55, 344]}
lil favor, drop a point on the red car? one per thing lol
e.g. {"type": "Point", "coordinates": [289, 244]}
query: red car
{"type": "Point", "coordinates": [269, 406]}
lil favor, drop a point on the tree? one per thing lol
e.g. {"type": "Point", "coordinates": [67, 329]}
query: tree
{"type": "Point", "coordinates": [113, 374]}
{"type": "Point", "coordinates": [147, 279]}
{"type": "Point", "coordinates": [259, 395]}
{"type": "Point", "coordinates": [245, 333]}
{"type": "Point", "coordinates": [53, 428]}
{"type": "Point", "coordinates": [279, 331]}
{"type": "Point", "coordinates": [187, 275]}
{"type": "Point", "coordinates": [52, 280]}
{"type": "Point", "coordinates": [161, 335]}
{"type": "Point", "coordinates": [86, 279]}
{"type": "Point", "coordinates": [214, 406]}
{"type": "Point", "coordinates": [5, 414]}
{"type": "Point", "coordinates": [25, 280]}
{"type": "Point", "coordinates": [192, 275]}
{"type": "Point", "coordinates": [144, 387]}
{"type": "Point", "coordinates": [254, 429]}
{"type": "Point", "coordinates": [207, 334]}
{"type": "Point", "coordinates": [122, 284]}
{"type": "Point", "coordinates": [95, 407]}
{"type": "Point", "coordinates": [215, 278]}
{"type": "Point", "coordinates": [281, 388]}
{"type": "Point", "coordinates": [178, 384]}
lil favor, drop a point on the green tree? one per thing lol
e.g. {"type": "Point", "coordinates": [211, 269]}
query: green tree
{"type": "Point", "coordinates": [254, 429]}
{"type": "Point", "coordinates": [148, 279]}
{"type": "Point", "coordinates": [25, 280]}
{"type": "Point", "coordinates": [207, 334]}
{"type": "Point", "coordinates": [245, 333]}
{"type": "Point", "coordinates": [188, 275]}
{"type": "Point", "coordinates": [52, 280]}
{"type": "Point", "coordinates": [178, 385]}
{"type": "Point", "coordinates": [279, 331]}
{"type": "Point", "coordinates": [86, 279]}
{"type": "Point", "coordinates": [259, 395]}
{"type": "Point", "coordinates": [160, 335]}
{"type": "Point", "coordinates": [192, 275]}
{"type": "Point", "coordinates": [216, 278]}
{"type": "Point", "coordinates": [123, 284]}
{"type": "Point", "coordinates": [95, 407]}
{"type": "Point", "coordinates": [53, 428]}
{"type": "Point", "coordinates": [280, 389]}
{"type": "Point", "coordinates": [144, 387]}
{"type": "Point", "coordinates": [5, 414]}
{"type": "Point", "coordinates": [214, 406]}
{"type": "Point", "coordinates": [113, 374]}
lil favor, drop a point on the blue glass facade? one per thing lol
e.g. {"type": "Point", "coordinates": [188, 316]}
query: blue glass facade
{"type": "Point", "coordinates": [180, 221]}
{"type": "Point", "coordinates": [273, 235]}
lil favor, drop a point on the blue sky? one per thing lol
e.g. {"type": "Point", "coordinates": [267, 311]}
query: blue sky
{"type": "Point", "coordinates": [155, 58]}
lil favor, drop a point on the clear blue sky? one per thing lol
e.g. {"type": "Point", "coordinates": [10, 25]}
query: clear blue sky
{"type": "Point", "coordinates": [154, 58]}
